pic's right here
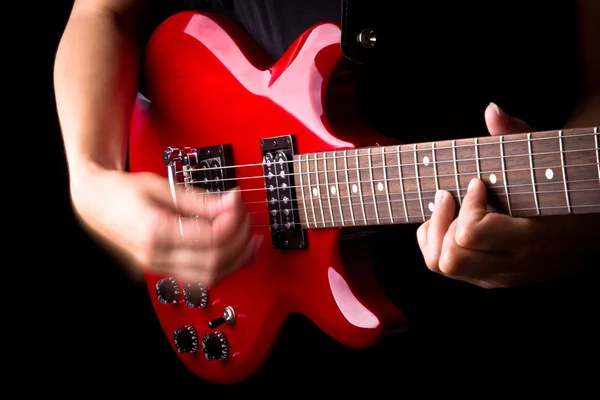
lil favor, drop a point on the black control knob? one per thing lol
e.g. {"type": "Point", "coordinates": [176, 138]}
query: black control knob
{"type": "Point", "coordinates": [195, 295]}
{"type": "Point", "coordinates": [215, 346]}
{"type": "Point", "coordinates": [167, 290]}
{"type": "Point", "coordinates": [186, 339]}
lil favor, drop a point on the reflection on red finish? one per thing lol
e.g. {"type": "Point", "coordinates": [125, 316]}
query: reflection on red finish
{"type": "Point", "coordinates": [207, 83]}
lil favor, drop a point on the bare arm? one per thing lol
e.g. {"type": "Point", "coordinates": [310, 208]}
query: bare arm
{"type": "Point", "coordinates": [95, 78]}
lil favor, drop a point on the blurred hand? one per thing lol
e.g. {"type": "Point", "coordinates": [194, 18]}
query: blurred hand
{"type": "Point", "coordinates": [494, 250]}
{"type": "Point", "coordinates": [134, 214]}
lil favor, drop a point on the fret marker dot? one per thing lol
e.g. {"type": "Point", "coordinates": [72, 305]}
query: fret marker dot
{"type": "Point", "coordinates": [549, 173]}
{"type": "Point", "coordinates": [315, 192]}
{"type": "Point", "coordinates": [354, 188]}
{"type": "Point", "coordinates": [333, 190]}
{"type": "Point", "coordinates": [426, 161]}
{"type": "Point", "coordinates": [431, 206]}
{"type": "Point", "coordinates": [380, 186]}
{"type": "Point", "coordinates": [493, 179]}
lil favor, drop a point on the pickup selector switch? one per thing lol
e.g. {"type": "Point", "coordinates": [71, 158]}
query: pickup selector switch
{"type": "Point", "coordinates": [186, 339]}
{"type": "Point", "coordinates": [195, 295]}
{"type": "Point", "coordinates": [215, 346]}
{"type": "Point", "coordinates": [167, 290]}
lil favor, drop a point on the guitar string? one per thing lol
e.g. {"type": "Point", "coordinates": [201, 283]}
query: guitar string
{"type": "Point", "coordinates": [399, 220]}
{"type": "Point", "coordinates": [388, 179]}
{"type": "Point", "coordinates": [353, 203]}
{"type": "Point", "coordinates": [310, 163]}
{"type": "Point", "coordinates": [430, 147]}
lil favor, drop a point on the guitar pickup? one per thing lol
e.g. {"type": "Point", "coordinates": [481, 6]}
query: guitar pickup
{"type": "Point", "coordinates": [278, 168]}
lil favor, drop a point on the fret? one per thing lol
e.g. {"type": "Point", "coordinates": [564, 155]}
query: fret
{"type": "Point", "coordinates": [563, 170]}
{"type": "Point", "coordinates": [302, 192]}
{"type": "Point", "coordinates": [466, 163]}
{"type": "Point", "coordinates": [518, 176]}
{"type": "Point", "coordinates": [444, 168]}
{"type": "Point", "coordinates": [401, 182]}
{"type": "Point", "coordinates": [428, 181]}
{"type": "Point", "coordinates": [581, 165]}
{"type": "Point", "coordinates": [435, 168]}
{"type": "Point", "coordinates": [533, 188]}
{"type": "Point", "coordinates": [597, 151]}
{"type": "Point", "coordinates": [317, 190]}
{"type": "Point", "coordinates": [410, 183]}
{"type": "Point", "coordinates": [328, 189]}
{"type": "Point", "coordinates": [358, 187]}
{"type": "Point", "coordinates": [349, 194]}
{"type": "Point", "coordinates": [386, 183]}
{"type": "Point", "coordinates": [549, 173]}
{"type": "Point", "coordinates": [508, 206]}
{"type": "Point", "coordinates": [338, 189]}
{"type": "Point", "coordinates": [418, 182]}
{"type": "Point", "coordinates": [476, 146]}
{"type": "Point", "coordinates": [312, 192]}
{"type": "Point", "coordinates": [458, 195]}
{"type": "Point", "coordinates": [373, 193]}
{"type": "Point", "coordinates": [489, 156]}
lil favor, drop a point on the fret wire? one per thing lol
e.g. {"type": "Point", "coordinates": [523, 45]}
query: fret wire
{"type": "Point", "coordinates": [373, 186]}
{"type": "Point", "coordinates": [456, 172]}
{"type": "Point", "coordinates": [504, 175]}
{"type": "Point", "coordinates": [348, 187]}
{"type": "Point", "coordinates": [402, 185]}
{"type": "Point", "coordinates": [302, 190]}
{"type": "Point", "coordinates": [564, 173]}
{"type": "Point", "coordinates": [360, 181]}
{"type": "Point", "coordinates": [327, 188]}
{"type": "Point", "coordinates": [476, 141]}
{"type": "Point", "coordinates": [535, 196]}
{"type": "Point", "coordinates": [337, 187]}
{"type": "Point", "coordinates": [418, 183]}
{"type": "Point", "coordinates": [597, 150]}
{"type": "Point", "coordinates": [435, 175]}
{"type": "Point", "coordinates": [310, 190]}
{"type": "Point", "coordinates": [319, 194]}
{"type": "Point", "coordinates": [387, 186]}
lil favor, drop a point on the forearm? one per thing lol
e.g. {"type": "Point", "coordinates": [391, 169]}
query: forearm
{"type": "Point", "coordinates": [95, 78]}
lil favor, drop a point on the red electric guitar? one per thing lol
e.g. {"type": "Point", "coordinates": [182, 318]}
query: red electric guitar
{"type": "Point", "coordinates": [218, 113]}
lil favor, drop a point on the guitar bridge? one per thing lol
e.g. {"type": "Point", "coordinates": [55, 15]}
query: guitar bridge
{"type": "Point", "coordinates": [209, 168]}
{"type": "Point", "coordinates": [284, 220]}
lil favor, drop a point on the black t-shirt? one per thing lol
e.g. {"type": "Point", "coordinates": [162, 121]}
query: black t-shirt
{"type": "Point", "coordinates": [448, 62]}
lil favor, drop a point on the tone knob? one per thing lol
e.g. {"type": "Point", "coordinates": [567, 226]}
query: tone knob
{"type": "Point", "coordinates": [167, 290]}
{"type": "Point", "coordinates": [186, 339]}
{"type": "Point", "coordinates": [215, 346]}
{"type": "Point", "coordinates": [195, 295]}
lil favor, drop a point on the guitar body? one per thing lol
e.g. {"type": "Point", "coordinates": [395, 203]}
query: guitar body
{"type": "Point", "coordinates": [208, 84]}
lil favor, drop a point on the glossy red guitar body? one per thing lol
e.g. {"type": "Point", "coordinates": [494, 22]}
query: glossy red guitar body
{"type": "Point", "coordinates": [209, 84]}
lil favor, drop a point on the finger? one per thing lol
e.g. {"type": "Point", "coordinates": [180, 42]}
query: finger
{"type": "Point", "coordinates": [197, 202]}
{"type": "Point", "coordinates": [466, 264]}
{"type": "Point", "coordinates": [422, 241]}
{"type": "Point", "coordinates": [479, 230]}
{"type": "Point", "coordinates": [500, 123]}
{"type": "Point", "coordinates": [211, 277]}
{"type": "Point", "coordinates": [439, 223]}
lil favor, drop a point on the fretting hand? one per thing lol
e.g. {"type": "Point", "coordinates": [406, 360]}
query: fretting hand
{"type": "Point", "coordinates": [495, 250]}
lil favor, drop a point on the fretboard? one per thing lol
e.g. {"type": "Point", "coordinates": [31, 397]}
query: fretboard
{"type": "Point", "coordinates": [528, 175]}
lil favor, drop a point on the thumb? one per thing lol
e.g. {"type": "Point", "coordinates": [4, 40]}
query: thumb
{"type": "Point", "coordinates": [500, 123]}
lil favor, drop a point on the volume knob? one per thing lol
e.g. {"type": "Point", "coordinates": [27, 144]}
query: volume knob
{"type": "Point", "coordinates": [215, 346]}
{"type": "Point", "coordinates": [195, 295]}
{"type": "Point", "coordinates": [186, 339]}
{"type": "Point", "coordinates": [167, 290]}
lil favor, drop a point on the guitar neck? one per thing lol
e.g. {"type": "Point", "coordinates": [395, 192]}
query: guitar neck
{"type": "Point", "coordinates": [528, 175]}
